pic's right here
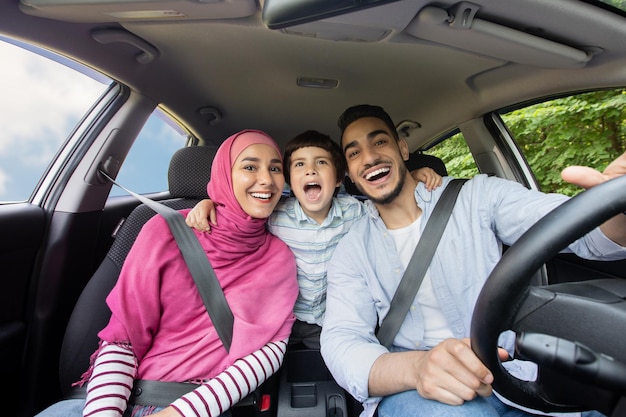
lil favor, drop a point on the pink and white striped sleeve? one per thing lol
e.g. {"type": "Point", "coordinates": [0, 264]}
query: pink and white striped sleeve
{"type": "Point", "coordinates": [111, 381]}
{"type": "Point", "coordinates": [220, 393]}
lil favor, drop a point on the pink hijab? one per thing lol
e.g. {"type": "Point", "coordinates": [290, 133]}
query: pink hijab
{"type": "Point", "coordinates": [249, 261]}
{"type": "Point", "coordinates": [156, 306]}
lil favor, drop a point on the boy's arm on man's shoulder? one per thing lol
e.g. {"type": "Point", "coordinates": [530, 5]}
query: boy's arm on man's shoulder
{"type": "Point", "coordinates": [428, 176]}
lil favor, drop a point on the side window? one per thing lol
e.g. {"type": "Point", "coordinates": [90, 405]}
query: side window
{"type": "Point", "coordinates": [145, 168]}
{"type": "Point", "coordinates": [43, 98]}
{"type": "Point", "coordinates": [455, 154]}
{"type": "Point", "coordinates": [585, 129]}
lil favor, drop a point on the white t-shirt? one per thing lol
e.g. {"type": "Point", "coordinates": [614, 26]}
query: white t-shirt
{"type": "Point", "coordinates": [435, 325]}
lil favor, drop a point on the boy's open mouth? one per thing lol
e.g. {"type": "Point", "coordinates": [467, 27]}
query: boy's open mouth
{"type": "Point", "coordinates": [312, 190]}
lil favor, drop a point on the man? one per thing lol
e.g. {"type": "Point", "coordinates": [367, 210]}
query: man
{"type": "Point", "coordinates": [430, 369]}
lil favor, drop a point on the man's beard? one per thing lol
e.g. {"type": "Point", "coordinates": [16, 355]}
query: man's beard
{"type": "Point", "coordinates": [387, 199]}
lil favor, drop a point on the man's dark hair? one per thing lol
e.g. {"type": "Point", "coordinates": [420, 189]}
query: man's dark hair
{"type": "Point", "coordinates": [360, 111]}
{"type": "Point", "coordinates": [319, 140]}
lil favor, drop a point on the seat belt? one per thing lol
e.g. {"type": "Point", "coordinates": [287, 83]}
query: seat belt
{"type": "Point", "coordinates": [203, 274]}
{"type": "Point", "coordinates": [419, 263]}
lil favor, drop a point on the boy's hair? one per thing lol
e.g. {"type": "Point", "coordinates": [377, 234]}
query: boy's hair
{"type": "Point", "coordinates": [354, 113]}
{"type": "Point", "coordinates": [319, 140]}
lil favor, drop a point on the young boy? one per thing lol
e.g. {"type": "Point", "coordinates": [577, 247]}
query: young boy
{"type": "Point", "coordinates": [312, 223]}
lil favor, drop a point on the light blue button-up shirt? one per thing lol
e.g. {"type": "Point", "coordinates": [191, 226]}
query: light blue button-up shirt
{"type": "Point", "coordinates": [366, 269]}
{"type": "Point", "coordinates": [313, 245]}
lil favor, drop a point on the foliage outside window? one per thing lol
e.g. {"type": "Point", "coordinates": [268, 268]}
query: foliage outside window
{"type": "Point", "coordinates": [587, 129]}
{"type": "Point", "coordinates": [456, 155]}
{"type": "Point", "coordinates": [618, 4]}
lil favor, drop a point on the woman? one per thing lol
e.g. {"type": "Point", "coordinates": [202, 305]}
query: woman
{"type": "Point", "coordinates": [160, 329]}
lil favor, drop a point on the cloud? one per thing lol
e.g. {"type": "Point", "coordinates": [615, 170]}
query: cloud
{"type": "Point", "coordinates": [41, 102]}
{"type": "Point", "coordinates": [3, 182]}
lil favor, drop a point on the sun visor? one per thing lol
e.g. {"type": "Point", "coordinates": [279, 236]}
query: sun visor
{"type": "Point", "coordinates": [372, 24]}
{"type": "Point", "coordinates": [460, 28]}
{"type": "Point", "coordinates": [102, 11]}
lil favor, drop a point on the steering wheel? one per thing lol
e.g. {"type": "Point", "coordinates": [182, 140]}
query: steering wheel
{"type": "Point", "coordinates": [572, 330]}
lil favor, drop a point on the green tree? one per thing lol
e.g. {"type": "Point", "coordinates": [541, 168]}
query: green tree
{"type": "Point", "coordinates": [587, 129]}
{"type": "Point", "coordinates": [457, 156]}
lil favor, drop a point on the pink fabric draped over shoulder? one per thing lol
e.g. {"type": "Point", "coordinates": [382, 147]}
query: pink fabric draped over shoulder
{"type": "Point", "coordinates": [156, 306]}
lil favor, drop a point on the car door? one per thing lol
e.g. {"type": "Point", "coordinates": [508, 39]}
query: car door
{"type": "Point", "coordinates": [35, 125]}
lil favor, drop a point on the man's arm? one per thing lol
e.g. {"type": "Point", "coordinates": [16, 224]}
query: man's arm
{"type": "Point", "coordinates": [348, 344]}
{"type": "Point", "coordinates": [585, 177]}
{"type": "Point", "coordinates": [449, 373]}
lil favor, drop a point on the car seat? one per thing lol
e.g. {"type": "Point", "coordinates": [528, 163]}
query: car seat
{"type": "Point", "coordinates": [188, 174]}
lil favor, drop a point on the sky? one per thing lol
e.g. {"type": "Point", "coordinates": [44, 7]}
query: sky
{"type": "Point", "coordinates": [40, 103]}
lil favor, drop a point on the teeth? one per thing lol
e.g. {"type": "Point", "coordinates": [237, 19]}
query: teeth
{"type": "Point", "coordinates": [377, 172]}
{"type": "Point", "coordinates": [312, 184]}
{"type": "Point", "coordinates": [265, 196]}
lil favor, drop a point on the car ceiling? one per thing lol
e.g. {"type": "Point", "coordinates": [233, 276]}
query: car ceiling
{"type": "Point", "coordinates": [222, 56]}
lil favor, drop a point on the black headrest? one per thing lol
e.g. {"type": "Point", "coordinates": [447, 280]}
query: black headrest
{"type": "Point", "coordinates": [190, 171]}
{"type": "Point", "coordinates": [420, 160]}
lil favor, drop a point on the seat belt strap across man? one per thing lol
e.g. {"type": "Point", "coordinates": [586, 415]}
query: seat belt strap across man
{"type": "Point", "coordinates": [419, 263]}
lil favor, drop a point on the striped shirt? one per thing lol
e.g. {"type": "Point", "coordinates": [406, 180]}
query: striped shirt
{"type": "Point", "coordinates": [115, 367]}
{"type": "Point", "coordinates": [313, 245]}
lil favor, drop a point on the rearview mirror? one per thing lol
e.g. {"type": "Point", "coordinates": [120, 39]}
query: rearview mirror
{"type": "Point", "coordinates": [278, 14]}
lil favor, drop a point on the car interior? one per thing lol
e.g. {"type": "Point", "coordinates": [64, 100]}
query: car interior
{"type": "Point", "coordinates": [442, 69]}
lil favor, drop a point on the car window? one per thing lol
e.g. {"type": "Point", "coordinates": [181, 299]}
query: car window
{"type": "Point", "coordinates": [145, 168]}
{"type": "Point", "coordinates": [43, 98]}
{"type": "Point", "coordinates": [585, 129]}
{"type": "Point", "coordinates": [456, 155]}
